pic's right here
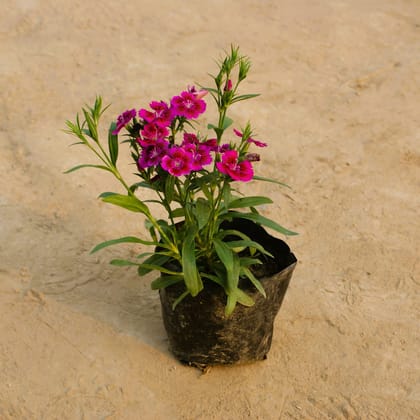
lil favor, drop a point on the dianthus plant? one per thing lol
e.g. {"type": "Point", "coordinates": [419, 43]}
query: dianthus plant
{"type": "Point", "coordinates": [193, 177]}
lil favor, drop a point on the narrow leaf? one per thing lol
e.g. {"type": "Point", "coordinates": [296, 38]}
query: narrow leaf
{"type": "Point", "coordinates": [169, 188]}
{"type": "Point", "coordinates": [180, 299]}
{"type": "Point", "coordinates": [75, 168]}
{"type": "Point", "coordinates": [122, 263]}
{"type": "Point", "coordinates": [261, 178]}
{"type": "Point", "coordinates": [147, 268]}
{"type": "Point", "coordinates": [125, 239]}
{"type": "Point", "coordinates": [149, 264]}
{"type": "Point", "coordinates": [263, 221]}
{"type": "Point", "coordinates": [243, 97]}
{"type": "Point", "coordinates": [113, 143]}
{"type": "Point", "coordinates": [243, 298]}
{"type": "Point", "coordinates": [213, 278]}
{"type": "Point", "coordinates": [248, 273]}
{"type": "Point", "coordinates": [192, 277]}
{"type": "Point", "coordinates": [165, 281]}
{"type": "Point", "coordinates": [249, 202]}
{"type": "Point", "coordinates": [179, 212]}
{"type": "Point", "coordinates": [230, 305]}
{"type": "Point", "coordinates": [231, 262]}
{"type": "Point", "coordinates": [129, 202]}
{"type": "Point", "coordinates": [248, 244]}
{"type": "Point", "coordinates": [93, 133]}
{"type": "Point", "coordinates": [202, 212]}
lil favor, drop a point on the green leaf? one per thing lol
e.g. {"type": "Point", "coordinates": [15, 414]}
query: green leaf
{"type": "Point", "coordinates": [191, 275]}
{"type": "Point", "coordinates": [227, 122]}
{"type": "Point", "coordinates": [202, 212]}
{"type": "Point", "coordinates": [75, 130]}
{"type": "Point", "coordinates": [147, 268]}
{"type": "Point", "coordinates": [93, 133]}
{"type": "Point", "coordinates": [179, 212]}
{"type": "Point", "coordinates": [218, 131]}
{"type": "Point", "coordinates": [257, 218]}
{"type": "Point", "coordinates": [249, 202]}
{"type": "Point", "coordinates": [243, 298]}
{"type": "Point", "coordinates": [165, 281]}
{"type": "Point", "coordinates": [247, 272]}
{"type": "Point", "coordinates": [113, 143]}
{"type": "Point", "coordinates": [75, 168]}
{"type": "Point", "coordinates": [209, 89]}
{"type": "Point", "coordinates": [122, 263]}
{"type": "Point", "coordinates": [261, 178]}
{"type": "Point", "coordinates": [227, 194]}
{"type": "Point", "coordinates": [248, 244]}
{"type": "Point", "coordinates": [231, 262]}
{"type": "Point", "coordinates": [244, 97]}
{"type": "Point", "coordinates": [234, 297]}
{"type": "Point", "coordinates": [143, 184]}
{"type": "Point", "coordinates": [129, 202]}
{"type": "Point", "coordinates": [125, 239]}
{"type": "Point", "coordinates": [230, 305]}
{"type": "Point", "coordinates": [247, 261]}
{"type": "Point", "coordinates": [180, 299]}
{"type": "Point", "coordinates": [169, 188]}
{"type": "Point", "coordinates": [150, 264]}
{"type": "Point", "coordinates": [213, 278]}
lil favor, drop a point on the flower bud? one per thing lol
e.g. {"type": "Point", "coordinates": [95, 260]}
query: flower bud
{"type": "Point", "coordinates": [252, 157]}
{"type": "Point", "coordinates": [228, 86]}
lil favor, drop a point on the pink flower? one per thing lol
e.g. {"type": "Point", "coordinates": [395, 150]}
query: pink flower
{"type": "Point", "coordinates": [238, 171]}
{"type": "Point", "coordinates": [162, 115]}
{"type": "Point", "coordinates": [153, 132]}
{"type": "Point", "coordinates": [200, 154]}
{"type": "Point", "coordinates": [224, 148]}
{"type": "Point", "coordinates": [190, 138]}
{"type": "Point", "coordinates": [124, 119]}
{"type": "Point", "coordinates": [250, 139]}
{"type": "Point", "coordinates": [198, 93]}
{"type": "Point", "coordinates": [211, 144]}
{"type": "Point", "coordinates": [152, 155]}
{"type": "Point", "coordinates": [187, 105]}
{"type": "Point", "coordinates": [177, 162]}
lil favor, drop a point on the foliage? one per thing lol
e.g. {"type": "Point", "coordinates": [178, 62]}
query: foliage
{"type": "Point", "coordinates": [192, 176]}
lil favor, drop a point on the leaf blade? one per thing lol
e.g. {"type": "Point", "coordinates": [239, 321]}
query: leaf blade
{"type": "Point", "coordinates": [113, 143]}
{"type": "Point", "coordinates": [125, 239]}
{"type": "Point", "coordinates": [191, 275]}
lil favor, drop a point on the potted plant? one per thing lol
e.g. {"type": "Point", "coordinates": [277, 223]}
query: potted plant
{"type": "Point", "coordinates": [221, 276]}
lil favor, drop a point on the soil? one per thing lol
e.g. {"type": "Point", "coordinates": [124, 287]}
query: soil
{"type": "Point", "coordinates": [340, 85]}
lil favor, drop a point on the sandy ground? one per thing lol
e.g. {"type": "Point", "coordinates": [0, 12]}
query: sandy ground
{"type": "Point", "coordinates": [340, 81]}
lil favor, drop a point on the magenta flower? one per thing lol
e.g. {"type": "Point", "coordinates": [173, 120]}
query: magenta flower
{"type": "Point", "coordinates": [152, 155]}
{"type": "Point", "coordinates": [161, 115]}
{"type": "Point", "coordinates": [200, 154]}
{"type": "Point", "coordinates": [198, 93]}
{"type": "Point", "coordinates": [177, 161]}
{"type": "Point", "coordinates": [153, 132]}
{"type": "Point", "coordinates": [187, 105]}
{"type": "Point", "coordinates": [190, 138]}
{"type": "Point", "coordinates": [124, 119]}
{"type": "Point", "coordinates": [238, 171]}
{"type": "Point", "coordinates": [250, 139]}
{"type": "Point", "coordinates": [211, 144]}
{"type": "Point", "coordinates": [224, 148]}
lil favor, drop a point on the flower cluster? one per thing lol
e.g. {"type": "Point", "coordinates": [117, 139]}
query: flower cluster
{"type": "Point", "coordinates": [156, 128]}
{"type": "Point", "coordinates": [191, 175]}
